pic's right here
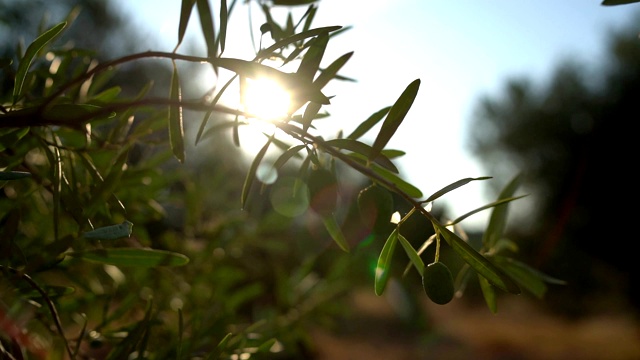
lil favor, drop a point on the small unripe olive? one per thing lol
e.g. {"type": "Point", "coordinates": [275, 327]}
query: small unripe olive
{"type": "Point", "coordinates": [438, 283]}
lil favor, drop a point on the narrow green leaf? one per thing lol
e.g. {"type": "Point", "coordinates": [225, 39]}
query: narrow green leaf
{"type": "Point", "coordinates": [266, 346]}
{"type": "Point", "coordinates": [462, 279]}
{"type": "Point", "coordinates": [527, 277]}
{"type": "Point", "coordinates": [133, 257]}
{"type": "Point", "coordinates": [478, 262]}
{"type": "Point", "coordinates": [206, 22]}
{"type": "Point", "coordinates": [395, 117]}
{"type": "Point", "coordinates": [27, 59]}
{"type": "Point", "coordinates": [180, 333]}
{"type": "Point", "coordinates": [362, 149]}
{"type": "Point", "coordinates": [106, 96]}
{"type": "Point", "coordinates": [489, 294]}
{"type": "Point", "coordinates": [332, 70]}
{"type": "Point", "coordinates": [498, 219]}
{"type": "Point", "coordinates": [251, 174]}
{"type": "Point", "coordinates": [57, 187]}
{"type": "Point", "coordinates": [409, 189]}
{"type": "Point", "coordinates": [224, 18]}
{"type": "Point", "coordinates": [309, 16]}
{"type": "Point", "coordinates": [334, 230]}
{"type": "Point", "coordinates": [618, 2]}
{"type": "Point", "coordinates": [176, 131]}
{"type": "Point", "coordinates": [253, 70]}
{"type": "Point", "coordinates": [13, 175]}
{"type": "Point", "coordinates": [311, 61]}
{"type": "Point", "coordinates": [215, 100]}
{"type": "Point", "coordinates": [110, 232]}
{"type": "Point", "coordinates": [416, 260]}
{"type": "Point", "coordinates": [384, 262]}
{"type": "Point", "coordinates": [266, 53]}
{"type": "Point", "coordinates": [223, 343]}
{"type": "Point", "coordinates": [484, 207]}
{"type": "Point", "coordinates": [452, 187]}
{"type": "Point", "coordinates": [10, 137]}
{"type": "Point", "coordinates": [310, 113]}
{"type": "Point", "coordinates": [285, 156]}
{"type": "Point", "coordinates": [185, 15]}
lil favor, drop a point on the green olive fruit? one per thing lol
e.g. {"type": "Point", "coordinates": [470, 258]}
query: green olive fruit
{"type": "Point", "coordinates": [323, 191]}
{"type": "Point", "coordinates": [438, 283]}
{"type": "Point", "coordinates": [375, 205]}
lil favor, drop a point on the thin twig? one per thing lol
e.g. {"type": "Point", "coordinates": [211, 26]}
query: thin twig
{"type": "Point", "coordinates": [47, 300]}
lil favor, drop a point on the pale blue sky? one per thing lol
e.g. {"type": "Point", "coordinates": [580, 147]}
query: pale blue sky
{"type": "Point", "coordinates": [459, 49]}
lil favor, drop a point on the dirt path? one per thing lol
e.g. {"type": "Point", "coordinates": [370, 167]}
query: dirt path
{"type": "Point", "coordinates": [520, 331]}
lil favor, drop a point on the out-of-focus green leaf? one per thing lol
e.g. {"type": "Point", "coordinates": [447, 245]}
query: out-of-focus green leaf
{"type": "Point", "coordinates": [452, 187]}
{"type": "Point", "coordinates": [618, 2]}
{"type": "Point", "coordinates": [362, 149]}
{"type": "Point", "coordinates": [13, 175]}
{"type": "Point", "coordinates": [395, 117]}
{"type": "Point", "coordinates": [110, 232]}
{"type": "Point", "coordinates": [489, 294]}
{"type": "Point", "coordinates": [384, 262]}
{"type": "Point", "coordinates": [185, 15]}
{"type": "Point", "coordinates": [27, 59]}
{"type": "Point", "coordinates": [266, 346]}
{"type": "Point", "coordinates": [56, 180]}
{"type": "Point", "coordinates": [416, 260]}
{"type": "Point", "coordinates": [222, 345]}
{"type": "Point", "coordinates": [176, 131]}
{"type": "Point", "coordinates": [478, 262]}
{"type": "Point", "coordinates": [215, 100]}
{"type": "Point", "coordinates": [498, 219]}
{"type": "Point", "coordinates": [133, 257]}
{"type": "Point", "coordinates": [527, 277]}
{"type": "Point", "coordinates": [334, 230]}
{"type": "Point", "coordinates": [484, 207]}
{"type": "Point", "coordinates": [9, 137]}
{"type": "Point", "coordinates": [134, 337]}
{"type": "Point", "coordinates": [251, 174]}
{"type": "Point", "coordinates": [462, 279]}
{"type": "Point", "coordinates": [106, 96]}
{"type": "Point", "coordinates": [311, 61]}
{"type": "Point", "coordinates": [208, 31]}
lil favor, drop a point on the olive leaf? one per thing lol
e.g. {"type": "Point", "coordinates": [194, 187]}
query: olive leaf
{"type": "Point", "coordinates": [384, 262]}
{"type": "Point", "coordinates": [176, 132]}
{"type": "Point", "coordinates": [185, 14]}
{"type": "Point", "coordinates": [206, 22]}
{"type": "Point", "coordinates": [395, 117]}
{"type": "Point", "coordinates": [489, 294]}
{"type": "Point", "coordinates": [478, 262]}
{"type": "Point", "coordinates": [32, 51]}
{"type": "Point", "coordinates": [498, 218]}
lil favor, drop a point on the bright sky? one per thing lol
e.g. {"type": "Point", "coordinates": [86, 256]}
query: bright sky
{"type": "Point", "coordinates": [460, 50]}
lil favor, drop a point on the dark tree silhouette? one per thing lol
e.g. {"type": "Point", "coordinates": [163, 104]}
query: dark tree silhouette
{"type": "Point", "coordinates": [573, 140]}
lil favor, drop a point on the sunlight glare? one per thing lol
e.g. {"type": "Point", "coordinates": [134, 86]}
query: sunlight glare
{"type": "Point", "coordinates": [266, 99]}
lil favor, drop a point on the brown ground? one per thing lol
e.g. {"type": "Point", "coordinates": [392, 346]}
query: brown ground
{"type": "Point", "coordinates": [519, 331]}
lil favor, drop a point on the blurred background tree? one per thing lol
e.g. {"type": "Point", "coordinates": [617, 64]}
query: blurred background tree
{"type": "Point", "coordinates": [573, 139]}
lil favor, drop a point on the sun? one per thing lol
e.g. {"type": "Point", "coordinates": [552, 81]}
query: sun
{"type": "Point", "coordinates": [265, 99]}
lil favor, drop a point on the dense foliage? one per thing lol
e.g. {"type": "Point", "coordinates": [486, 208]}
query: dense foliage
{"type": "Point", "coordinates": [113, 249]}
